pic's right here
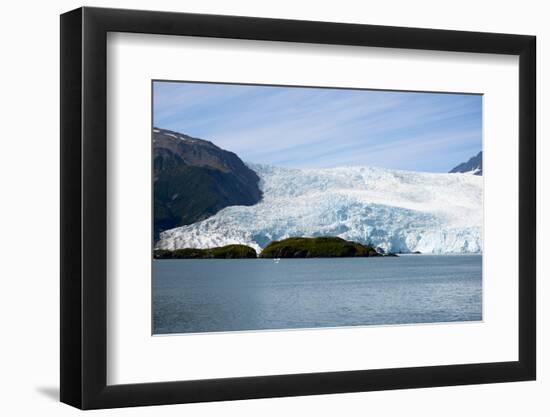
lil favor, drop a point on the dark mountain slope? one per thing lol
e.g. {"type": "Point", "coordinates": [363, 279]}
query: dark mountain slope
{"type": "Point", "coordinates": [194, 179]}
{"type": "Point", "coordinates": [474, 164]}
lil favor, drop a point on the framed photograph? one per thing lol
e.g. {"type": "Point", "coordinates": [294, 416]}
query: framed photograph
{"type": "Point", "coordinates": [257, 208]}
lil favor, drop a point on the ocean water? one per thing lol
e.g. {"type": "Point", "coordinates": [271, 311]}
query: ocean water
{"type": "Point", "coordinates": [210, 295]}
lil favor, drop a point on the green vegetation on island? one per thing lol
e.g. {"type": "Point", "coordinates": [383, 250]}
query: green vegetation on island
{"type": "Point", "coordinates": [318, 247]}
{"type": "Point", "coordinates": [222, 252]}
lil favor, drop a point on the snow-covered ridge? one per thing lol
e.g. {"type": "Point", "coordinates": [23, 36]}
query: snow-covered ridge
{"type": "Point", "coordinates": [396, 210]}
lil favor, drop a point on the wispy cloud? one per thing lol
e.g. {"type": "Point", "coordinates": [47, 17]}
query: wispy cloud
{"type": "Point", "coordinates": [316, 127]}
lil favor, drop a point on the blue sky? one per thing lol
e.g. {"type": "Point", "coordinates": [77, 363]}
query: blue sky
{"type": "Point", "coordinates": [319, 127]}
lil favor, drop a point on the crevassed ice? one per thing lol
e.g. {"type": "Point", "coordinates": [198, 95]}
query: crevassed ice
{"type": "Point", "coordinates": [399, 211]}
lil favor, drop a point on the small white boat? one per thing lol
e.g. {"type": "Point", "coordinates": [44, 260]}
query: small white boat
{"type": "Point", "coordinates": [276, 260]}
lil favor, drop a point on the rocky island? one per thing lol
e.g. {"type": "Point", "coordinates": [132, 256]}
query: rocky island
{"type": "Point", "coordinates": [318, 247]}
{"type": "Point", "coordinates": [222, 252]}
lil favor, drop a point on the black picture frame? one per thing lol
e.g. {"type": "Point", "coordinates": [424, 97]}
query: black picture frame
{"type": "Point", "coordinates": [84, 207]}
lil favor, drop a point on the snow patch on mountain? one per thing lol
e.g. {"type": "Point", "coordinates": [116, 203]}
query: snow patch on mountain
{"type": "Point", "coordinates": [399, 211]}
{"type": "Point", "coordinates": [473, 166]}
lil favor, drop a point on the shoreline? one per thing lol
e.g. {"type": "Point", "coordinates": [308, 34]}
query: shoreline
{"type": "Point", "coordinates": [399, 255]}
{"type": "Point", "coordinates": [293, 248]}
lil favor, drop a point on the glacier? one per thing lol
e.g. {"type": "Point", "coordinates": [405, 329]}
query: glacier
{"type": "Point", "coordinates": [398, 211]}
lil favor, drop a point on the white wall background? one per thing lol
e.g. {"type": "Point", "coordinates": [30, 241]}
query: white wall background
{"type": "Point", "coordinates": [29, 220]}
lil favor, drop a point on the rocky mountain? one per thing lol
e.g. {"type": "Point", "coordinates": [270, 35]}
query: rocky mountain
{"type": "Point", "coordinates": [194, 179]}
{"type": "Point", "coordinates": [473, 165]}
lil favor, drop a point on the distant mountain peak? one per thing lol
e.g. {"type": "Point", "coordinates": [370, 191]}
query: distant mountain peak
{"type": "Point", "coordinates": [474, 165]}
